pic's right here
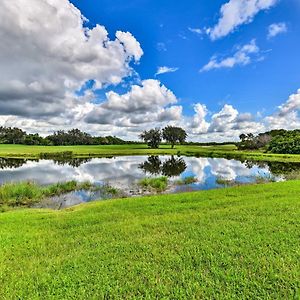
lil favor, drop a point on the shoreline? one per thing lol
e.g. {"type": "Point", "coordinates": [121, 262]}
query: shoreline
{"type": "Point", "coordinates": [54, 152]}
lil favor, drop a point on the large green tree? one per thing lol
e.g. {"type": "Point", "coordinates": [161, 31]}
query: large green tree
{"type": "Point", "coordinates": [152, 137]}
{"type": "Point", "coordinates": [174, 135]}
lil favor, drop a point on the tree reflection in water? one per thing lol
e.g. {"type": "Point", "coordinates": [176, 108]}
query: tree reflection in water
{"type": "Point", "coordinates": [14, 163]}
{"type": "Point", "coordinates": [11, 163]}
{"type": "Point", "coordinates": [276, 168]}
{"type": "Point", "coordinates": [152, 165]}
{"type": "Point", "coordinates": [172, 167]}
{"type": "Point", "coordinates": [72, 162]}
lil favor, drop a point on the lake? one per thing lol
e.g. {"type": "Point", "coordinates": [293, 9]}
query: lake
{"type": "Point", "coordinates": [124, 173]}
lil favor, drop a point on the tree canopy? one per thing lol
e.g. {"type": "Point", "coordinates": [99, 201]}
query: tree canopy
{"type": "Point", "coordinates": [174, 135]}
{"type": "Point", "coordinates": [152, 137]}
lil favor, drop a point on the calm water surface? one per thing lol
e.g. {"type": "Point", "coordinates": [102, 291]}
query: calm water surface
{"type": "Point", "coordinates": [125, 172]}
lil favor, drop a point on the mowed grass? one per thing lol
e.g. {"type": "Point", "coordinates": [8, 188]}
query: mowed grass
{"type": "Point", "coordinates": [225, 151]}
{"type": "Point", "coordinates": [234, 243]}
{"type": "Point", "coordinates": [94, 150]}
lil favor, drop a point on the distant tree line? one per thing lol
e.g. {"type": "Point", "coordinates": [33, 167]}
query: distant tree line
{"type": "Point", "coordinates": [10, 135]}
{"type": "Point", "coordinates": [274, 141]}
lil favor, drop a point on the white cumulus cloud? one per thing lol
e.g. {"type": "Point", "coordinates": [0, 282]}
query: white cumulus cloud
{"type": "Point", "coordinates": [276, 28]}
{"type": "Point", "coordinates": [243, 56]}
{"type": "Point", "coordinates": [145, 103]}
{"type": "Point", "coordinates": [47, 53]}
{"type": "Point", "coordinates": [235, 13]}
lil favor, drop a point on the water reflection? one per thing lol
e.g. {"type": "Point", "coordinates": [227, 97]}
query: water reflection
{"type": "Point", "coordinates": [11, 163]}
{"type": "Point", "coordinates": [152, 165]}
{"type": "Point", "coordinates": [171, 167]}
{"type": "Point", "coordinates": [128, 170]}
{"type": "Point", "coordinates": [276, 168]}
{"type": "Point", "coordinates": [73, 162]}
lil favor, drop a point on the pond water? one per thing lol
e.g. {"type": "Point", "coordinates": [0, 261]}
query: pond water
{"type": "Point", "coordinates": [125, 172]}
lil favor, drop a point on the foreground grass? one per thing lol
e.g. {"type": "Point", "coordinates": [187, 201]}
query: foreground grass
{"type": "Point", "coordinates": [235, 243]}
{"type": "Point", "coordinates": [226, 151]}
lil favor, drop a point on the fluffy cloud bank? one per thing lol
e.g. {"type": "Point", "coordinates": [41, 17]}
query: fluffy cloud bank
{"type": "Point", "coordinates": [145, 103]}
{"type": "Point", "coordinates": [44, 62]}
{"type": "Point", "coordinates": [52, 65]}
{"type": "Point", "coordinates": [287, 115]}
{"type": "Point", "coordinates": [235, 13]}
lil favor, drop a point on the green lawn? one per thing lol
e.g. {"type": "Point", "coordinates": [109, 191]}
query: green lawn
{"type": "Point", "coordinates": [227, 151]}
{"type": "Point", "coordinates": [235, 243]}
{"type": "Point", "coordinates": [34, 151]}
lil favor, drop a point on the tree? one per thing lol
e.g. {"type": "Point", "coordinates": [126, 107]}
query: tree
{"type": "Point", "coordinates": [243, 137]}
{"type": "Point", "coordinates": [288, 143]}
{"type": "Point", "coordinates": [152, 137]}
{"type": "Point", "coordinates": [9, 135]}
{"type": "Point", "coordinates": [251, 142]}
{"type": "Point", "coordinates": [174, 134]}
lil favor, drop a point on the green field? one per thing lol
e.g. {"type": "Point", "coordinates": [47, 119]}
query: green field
{"type": "Point", "coordinates": [235, 243]}
{"type": "Point", "coordinates": [227, 151]}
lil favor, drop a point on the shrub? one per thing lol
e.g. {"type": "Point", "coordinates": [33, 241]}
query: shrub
{"type": "Point", "coordinates": [159, 184]}
{"type": "Point", "coordinates": [187, 180]}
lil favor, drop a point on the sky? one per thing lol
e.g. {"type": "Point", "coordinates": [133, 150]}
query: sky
{"type": "Point", "coordinates": [216, 68]}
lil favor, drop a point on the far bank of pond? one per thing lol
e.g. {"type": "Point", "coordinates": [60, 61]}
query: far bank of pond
{"type": "Point", "coordinates": [125, 173]}
{"type": "Point", "coordinates": [217, 151]}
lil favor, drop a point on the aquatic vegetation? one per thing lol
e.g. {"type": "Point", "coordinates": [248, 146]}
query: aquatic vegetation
{"type": "Point", "coordinates": [159, 184]}
{"type": "Point", "coordinates": [108, 189]}
{"type": "Point", "coordinates": [25, 194]}
{"type": "Point", "coordinates": [227, 182]}
{"type": "Point", "coordinates": [187, 180]}
{"type": "Point", "coordinates": [258, 179]}
{"type": "Point", "coordinates": [293, 175]}
{"type": "Point", "coordinates": [265, 179]}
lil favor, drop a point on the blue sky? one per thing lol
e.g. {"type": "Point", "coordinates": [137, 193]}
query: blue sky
{"type": "Point", "coordinates": [257, 87]}
{"type": "Point", "coordinates": [216, 68]}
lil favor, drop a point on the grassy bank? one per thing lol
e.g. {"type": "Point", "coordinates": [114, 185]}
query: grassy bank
{"type": "Point", "coordinates": [235, 243]}
{"type": "Point", "coordinates": [227, 151]}
{"type": "Point", "coordinates": [25, 194]}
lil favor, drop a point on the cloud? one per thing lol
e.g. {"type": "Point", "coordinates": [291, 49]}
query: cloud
{"type": "Point", "coordinates": [199, 124]}
{"type": "Point", "coordinates": [292, 104]}
{"type": "Point", "coordinates": [131, 45]}
{"type": "Point", "coordinates": [146, 103]}
{"type": "Point", "coordinates": [225, 125]}
{"type": "Point", "coordinates": [163, 70]}
{"type": "Point", "coordinates": [195, 30]}
{"type": "Point", "coordinates": [235, 13]}
{"type": "Point", "coordinates": [243, 56]}
{"type": "Point", "coordinates": [223, 119]}
{"type": "Point", "coordinates": [43, 63]}
{"type": "Point", "coordinates": [275, 29]}
{"type": "Point", "coordinates": [287, 115]}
